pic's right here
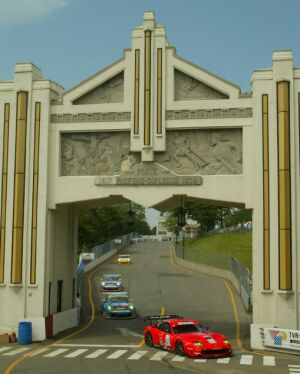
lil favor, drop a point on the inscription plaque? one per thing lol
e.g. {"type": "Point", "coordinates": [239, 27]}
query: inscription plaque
{"type": "Point", "coordinates": [148, 174]}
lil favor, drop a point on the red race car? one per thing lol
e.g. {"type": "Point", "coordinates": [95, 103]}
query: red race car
{"type": "Point", "coordinates": [185, 337]}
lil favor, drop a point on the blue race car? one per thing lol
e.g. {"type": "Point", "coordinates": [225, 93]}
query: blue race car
{"type": "Point", "coordinates": [111, 282]}
{"type": "Point", "coordinates": [117, 304]}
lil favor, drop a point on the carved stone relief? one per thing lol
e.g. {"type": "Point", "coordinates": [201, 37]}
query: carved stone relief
{"type": "Point", "coordinates": [189, 88]}
{"type": "Point", "coordinates": [90, 117]}
{"type": "Point", "coordinates": [96, 153]}
{"type": "Point", "coordinates": [204, 152]}
{"type": "Point", "coordinates": [209, 113]}
{"type": "Point", "coordinates": [112, 91]}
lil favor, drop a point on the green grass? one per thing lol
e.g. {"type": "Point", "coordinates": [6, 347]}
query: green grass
{"type": "Point", "coordinates": [214, 250]}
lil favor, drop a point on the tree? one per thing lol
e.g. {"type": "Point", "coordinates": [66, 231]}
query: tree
{"type": "Point", "coordinates": [96, 226]}
{"type": "Point", "coordinates": [239, 216]}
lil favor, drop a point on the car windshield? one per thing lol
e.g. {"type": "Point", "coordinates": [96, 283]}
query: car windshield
{"type": "Point", "coordinates": [124, 256]}
{"type": "Point", "coordinates": [112, 278]}
{"type": "Point", "coordinates": [118, 299]}
{"type": "Point", "coordinates": [187, 327]}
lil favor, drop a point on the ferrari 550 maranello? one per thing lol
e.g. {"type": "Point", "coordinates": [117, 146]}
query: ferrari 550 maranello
{"type": "Point", "coordinates": [185, 337]}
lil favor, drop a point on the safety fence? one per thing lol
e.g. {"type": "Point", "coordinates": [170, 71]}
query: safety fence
{"type": "Point", "coordinates": [224, 263]}
{"type": "Point", "coordinates": [93, 255]}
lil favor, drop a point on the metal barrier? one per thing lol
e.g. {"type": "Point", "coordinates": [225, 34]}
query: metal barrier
{"type": "Point", "coordinates": [104, 248]}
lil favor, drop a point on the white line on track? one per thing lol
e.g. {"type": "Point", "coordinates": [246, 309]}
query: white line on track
{"type": "Point", "coordinates": [137, 355]}
{"type": "Point", "coordinates": [16, 351]}
{"type": "Point", "coordinates": [56, 352]}
{"type": "Point", "coordinates": [246, 360]}
{"type": "Point", "coordinates": [98, 345]}
{"type": "Point", "coordinates": [269, 361]}
{"type": "Point", "coordinates": [117, 354]}
{"type": "Point", "coordinates": [224, 360]}
{"type": "Point", "coordinates": [35, 353]}
{"type": "Point", "coordinates": [97, 353]}
{"type": "Point", "coordinates": [2, 349]}
{"type": "Point", "coordinates": [76, 353]}
{"type": "Point", "coordinates": [178, 358]}
{"type": "Point", "coordinates": [158, 356]}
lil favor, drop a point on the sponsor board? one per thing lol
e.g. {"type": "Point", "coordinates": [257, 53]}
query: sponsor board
{"type": "Point", "coordinates": [282, 338]}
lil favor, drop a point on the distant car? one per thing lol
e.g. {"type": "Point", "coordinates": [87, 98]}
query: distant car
{"type": "Point", "coordinates": [111, 282]}
{"type": "Point", "coordinates": [185, 337]}
{"type": "Point", "coordinates": [117, 304]}
{"type": "Point", "coordinates": [124, 259]}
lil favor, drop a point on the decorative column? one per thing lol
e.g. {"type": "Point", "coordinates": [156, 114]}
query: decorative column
{"type": "Point", "coordinates": [19, 188]}
{"type": "Point", "coordinates": [284, 186]}
{"type": "Point", "coordinates": [4, 189]}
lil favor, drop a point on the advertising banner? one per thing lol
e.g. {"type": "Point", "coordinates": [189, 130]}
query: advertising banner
{"type": "Point", "coordinates": [281, 338]}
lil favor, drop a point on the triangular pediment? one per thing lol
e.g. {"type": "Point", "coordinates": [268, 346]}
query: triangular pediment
{"type": "Point", "coordinates": [111, 91]}
{"type": "Point", "coordinates": [189, 88]}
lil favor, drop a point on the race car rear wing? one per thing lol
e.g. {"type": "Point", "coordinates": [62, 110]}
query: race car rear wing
{"type": "Point", "coordinates": [105, 295]}
{"type": "Point", "coordinates": [151, 319]}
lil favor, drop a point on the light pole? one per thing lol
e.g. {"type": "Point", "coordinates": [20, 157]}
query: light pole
{"type": "Point", "coordinates": [130, 215]}
{"type": "Point", "coordinates": [181, 222]}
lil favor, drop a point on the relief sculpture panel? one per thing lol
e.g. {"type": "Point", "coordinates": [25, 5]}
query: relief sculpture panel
{"type": "Point", "coordinates": [96, 153]}
{"type": "Point", "coordinates": [189, 88]}
{"type": "Point", "coordinates": [112, 91]}
{"type": "Point", "coordinates": [204, 152]}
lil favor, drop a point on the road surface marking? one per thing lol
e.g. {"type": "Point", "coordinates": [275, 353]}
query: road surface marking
{"type": "Point", "coordinates": [117, 354]}
{"type": "Point", "coordinates": [35, 353]}
{"type": "Point", "coordinates": [224, 360]}
{"type": "Point", "coordinates": [158, 356]}
{"type": "Point", "coordinates": [178, 358]}
{"type": "Point", "coordinates": [137, 355]}
{"type": "Point", "coordinates": [56, 352]}
{"type": "Point", "coordinates": [127, 332]}
{"type": "Point", "coordinates": [294, 369]}
{"type": "Point", "coordinates": [2, 349]}
{"type": "Point", "coordinates": [98, 345]}
{"type": "Point", "coordinates": [269, 360]}
{"type": "Point", "coordinates": [246, 360]}
{"type": "Point", "coordinates": [16, 351]}
{"type": "Point", "coordinates": [200, 360]}
{"type": "Point", "coordinates": [97, 353]}
{"type": "Point", "coordinates": [76, 353]}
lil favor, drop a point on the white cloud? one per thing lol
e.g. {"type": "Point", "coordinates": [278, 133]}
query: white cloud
{"type": "Point", "coordinates": [13, 12]}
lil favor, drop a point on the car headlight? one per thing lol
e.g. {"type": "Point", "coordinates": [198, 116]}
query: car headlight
{"type": "Point", "coordinates": [198, 344]}
{"type": "Point", "coordinates": [226, 341]}
{"type": "Point", "coordinates": [131, 307]}
{"type": "Point", "coordinates": [109, 307]}
{"type": "Point", "coordinates": [102, 284]}
{"type": "Point", "coordinates": [118, 283]}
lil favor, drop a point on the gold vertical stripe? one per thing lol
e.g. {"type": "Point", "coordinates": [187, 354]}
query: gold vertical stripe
{"type": "Point", "coordinates": [136, 91]}
{"type": "Point", "coordinates": [4, 189]}
{"type": "Point", "coordinates": [37, 125]}
{"type": "Point", "coordinates": [147, 88]}
{"type": "Point", "coordinates": [284, 186]}
{"type": "Point", "coordinates": [266, 200]}
{"type": "Point", "coordinates": [19, 188]}
{"type": "Point", "coordinates": [159, 91]}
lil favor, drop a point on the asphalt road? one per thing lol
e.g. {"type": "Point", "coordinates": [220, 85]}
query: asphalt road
{"type": "Point", "coordinates": [156, 285]}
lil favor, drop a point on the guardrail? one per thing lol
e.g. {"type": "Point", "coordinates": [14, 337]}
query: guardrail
{"type": "Point", "coordinates": [219, 264]}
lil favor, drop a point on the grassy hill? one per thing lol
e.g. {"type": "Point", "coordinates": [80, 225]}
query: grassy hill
{"type": "Point", "coordinates": [213, 250]}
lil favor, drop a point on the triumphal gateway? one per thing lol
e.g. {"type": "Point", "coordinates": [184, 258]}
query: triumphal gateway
{"type": "Point", "coordinates": [150, 128]}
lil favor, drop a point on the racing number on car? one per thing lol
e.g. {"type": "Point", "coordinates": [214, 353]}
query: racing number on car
{"type": "Point", "coordinates": [167, 341]}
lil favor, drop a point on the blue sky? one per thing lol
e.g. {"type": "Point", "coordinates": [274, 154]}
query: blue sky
{"type": "Point", "coordinates": [72, 39]}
